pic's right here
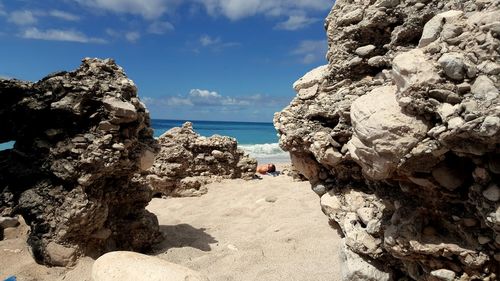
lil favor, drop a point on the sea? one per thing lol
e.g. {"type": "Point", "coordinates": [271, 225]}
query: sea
{"type": "Point", "coordinates": [259, 140]}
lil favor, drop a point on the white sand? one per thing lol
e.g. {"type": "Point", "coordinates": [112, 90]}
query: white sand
{"type": "Point", "coordinates": [231, 233]}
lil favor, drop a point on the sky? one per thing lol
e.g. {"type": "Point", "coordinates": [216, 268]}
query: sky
{"type": "Point", "coordinates": [220, 60]}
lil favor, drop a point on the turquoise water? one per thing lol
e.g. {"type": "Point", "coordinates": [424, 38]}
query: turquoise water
{"type": "Point", "coordinates": [244, 132]}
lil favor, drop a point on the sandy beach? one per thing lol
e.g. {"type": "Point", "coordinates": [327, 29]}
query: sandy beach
{"type": "Point", "coordinates": [264, 229]}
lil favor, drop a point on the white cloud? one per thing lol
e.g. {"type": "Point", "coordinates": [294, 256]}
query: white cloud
{"type": "Point", "coordinates": [198, 99]}
{"type": "Point", "coordinates": [213, 43]}
{"type": "Point", "coordinates": [160, 27]}
{"type": "Point", "coordinates": [132, 36]}
{"type": "Point", "coordinates": [296, 22]}
{"type": "Point", "coordinates": [59, 35]}
{"type": "Point", "coordinates": [149, 9]}
{"type": "Point", "coordinates": [205, 94]}
{"type": "Point", "coordinates": [64, 15]}
{"type": "Point", "coordinates": [238, 9]}
{"type": "Point", "coordinates": [310, 51]}
{"type": "Point", "coordinates": [22, 17]}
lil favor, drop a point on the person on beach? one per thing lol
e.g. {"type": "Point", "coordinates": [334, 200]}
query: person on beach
{"type": "Point", "coordinates": [267, 168]}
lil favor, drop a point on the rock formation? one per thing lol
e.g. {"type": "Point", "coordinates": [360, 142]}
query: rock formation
{"type": "Point", "coordinates": [399, 134]}
{"type": "Point", "coordinates": [79, 139]}
{"type": "Point", "coordinates": [188, 161]}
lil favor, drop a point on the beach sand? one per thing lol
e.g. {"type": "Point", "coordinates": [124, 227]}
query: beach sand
{"type": "Point", "coordinates": [264, 229]}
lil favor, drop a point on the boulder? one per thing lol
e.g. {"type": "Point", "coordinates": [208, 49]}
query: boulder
{"type": "Point", "coordinates": [130, 266]}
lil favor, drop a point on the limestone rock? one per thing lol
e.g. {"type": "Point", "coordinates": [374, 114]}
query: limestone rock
{"type": "Point", "coordinates": [188, 161]}
{"type": "Point", "coordinates": [382, 132]}
{"type": "Point", "coordinates": [130, 266]}
{"type": "Point", "coordinates": [80, 138]}
{"type": "Point", "coordinates": [401, 139]}
{"type": "Point", "coordinates": [355, 268]}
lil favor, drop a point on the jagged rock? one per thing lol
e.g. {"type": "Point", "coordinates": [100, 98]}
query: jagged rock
{"type": "Point", "coordinates": [129, 266]}
{"type": "Point", "coordinates": [402, 142]}
{"type": "Point", "coordinates": [79, 139]}
{"type": "Point", "coordinates": [188, 161]}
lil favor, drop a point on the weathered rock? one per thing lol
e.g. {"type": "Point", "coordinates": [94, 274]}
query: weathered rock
{"type": "Point", "coordinates": [129, 266]}
{"type": "Point", "coordinates": [80, 138]}
{"type": "Point", "coordinates": [188, 161]}
{"type": "Point", "coordinates": [383, 134]}
{"type": "Point", "coordinates": [401, 140]}
{"type": "Point", "coordinates": [355, 268]}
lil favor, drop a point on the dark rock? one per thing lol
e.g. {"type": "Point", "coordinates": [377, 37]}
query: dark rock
{"type": "Point", "coordinates": [70, 174]}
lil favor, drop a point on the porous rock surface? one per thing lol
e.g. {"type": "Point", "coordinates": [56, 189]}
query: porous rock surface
{"type": "Point", "coordinates": [399, 135]}
{"type": "Point", "coordinates": [79, 139]}
{"type": "Point", "coordinates": [187, 162]}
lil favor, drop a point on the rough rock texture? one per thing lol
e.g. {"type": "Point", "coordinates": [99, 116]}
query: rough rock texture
{"type": "Point", "coordinates": [130, 266]}
{"type": "Point", "coordinates": [188, 161]}
{"type": "Point", "coordinates": [399, 134]}
{"type": "Point", "coordinates": [80, 138]}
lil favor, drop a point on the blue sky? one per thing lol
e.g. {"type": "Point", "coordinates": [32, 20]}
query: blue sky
{"type": "Point", "coordinates": [227, 60]}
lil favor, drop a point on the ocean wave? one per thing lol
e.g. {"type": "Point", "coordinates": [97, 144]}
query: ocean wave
{"type": "Point", "coordinates": [266, 150]}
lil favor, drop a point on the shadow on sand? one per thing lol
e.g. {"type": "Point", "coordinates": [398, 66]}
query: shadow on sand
{"type": "Point", "coordinates": [184, 235]}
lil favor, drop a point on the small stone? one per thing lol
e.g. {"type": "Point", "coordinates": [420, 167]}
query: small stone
{"type": "Point", "coordinates": [446, 110]}
{"type": "Point", "coordinates": [453, 65]}
{"type": "Point", "coordinates": [365, 50]}
{"type": "Point", "coordinates": [271, 199]}
{"type": "Point", "coordinates": [483, 240]}
{"type": "Point", "coordinates": [232, 247]}
{"type": "Point", "coordinates": [118, 146]}
{"type": "Point", "coordinates": [469, 222]}
{"type": "Point", "coordinates": [123, 111]}
{"type": "Point", "coordinates": [455, 123]}
{"type": "Point", "coordinates": [463, 88]}
{"type": "Point", "coordinates": [484, 88]}
{"type": "Point", "coordinates": [6, 222]}
{"type": "Point", "coordinates": [387, 3]}
{"type": "Point", "coordinates": [351, 17]}
{"type": "Point", "coordinates": [443, 274]}
{"type": "Point", "coordinates": [489, 67]}
{"type": "Point", "coordinates": [497, 257]}
{"type": "Point", "coordinates": [377, 61]}
{"type": "Point", "coordinates": [319, 189]}
{"type": "Point", "coordinates": [107, 126]}
{"type": "Point", "coordinates": [448, 177]}
{"type": "Point", "coordinates": [492, 193]}
{"type": "Point", "coordinates": [490, 126]}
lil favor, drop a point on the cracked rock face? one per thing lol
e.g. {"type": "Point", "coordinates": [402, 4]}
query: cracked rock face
{"type": "Point", "coordinates": [399, 134]}
{"type": "Point", "coordinates": [188, 161]}
{"type": "Point", "coordinates": [79, 139]}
